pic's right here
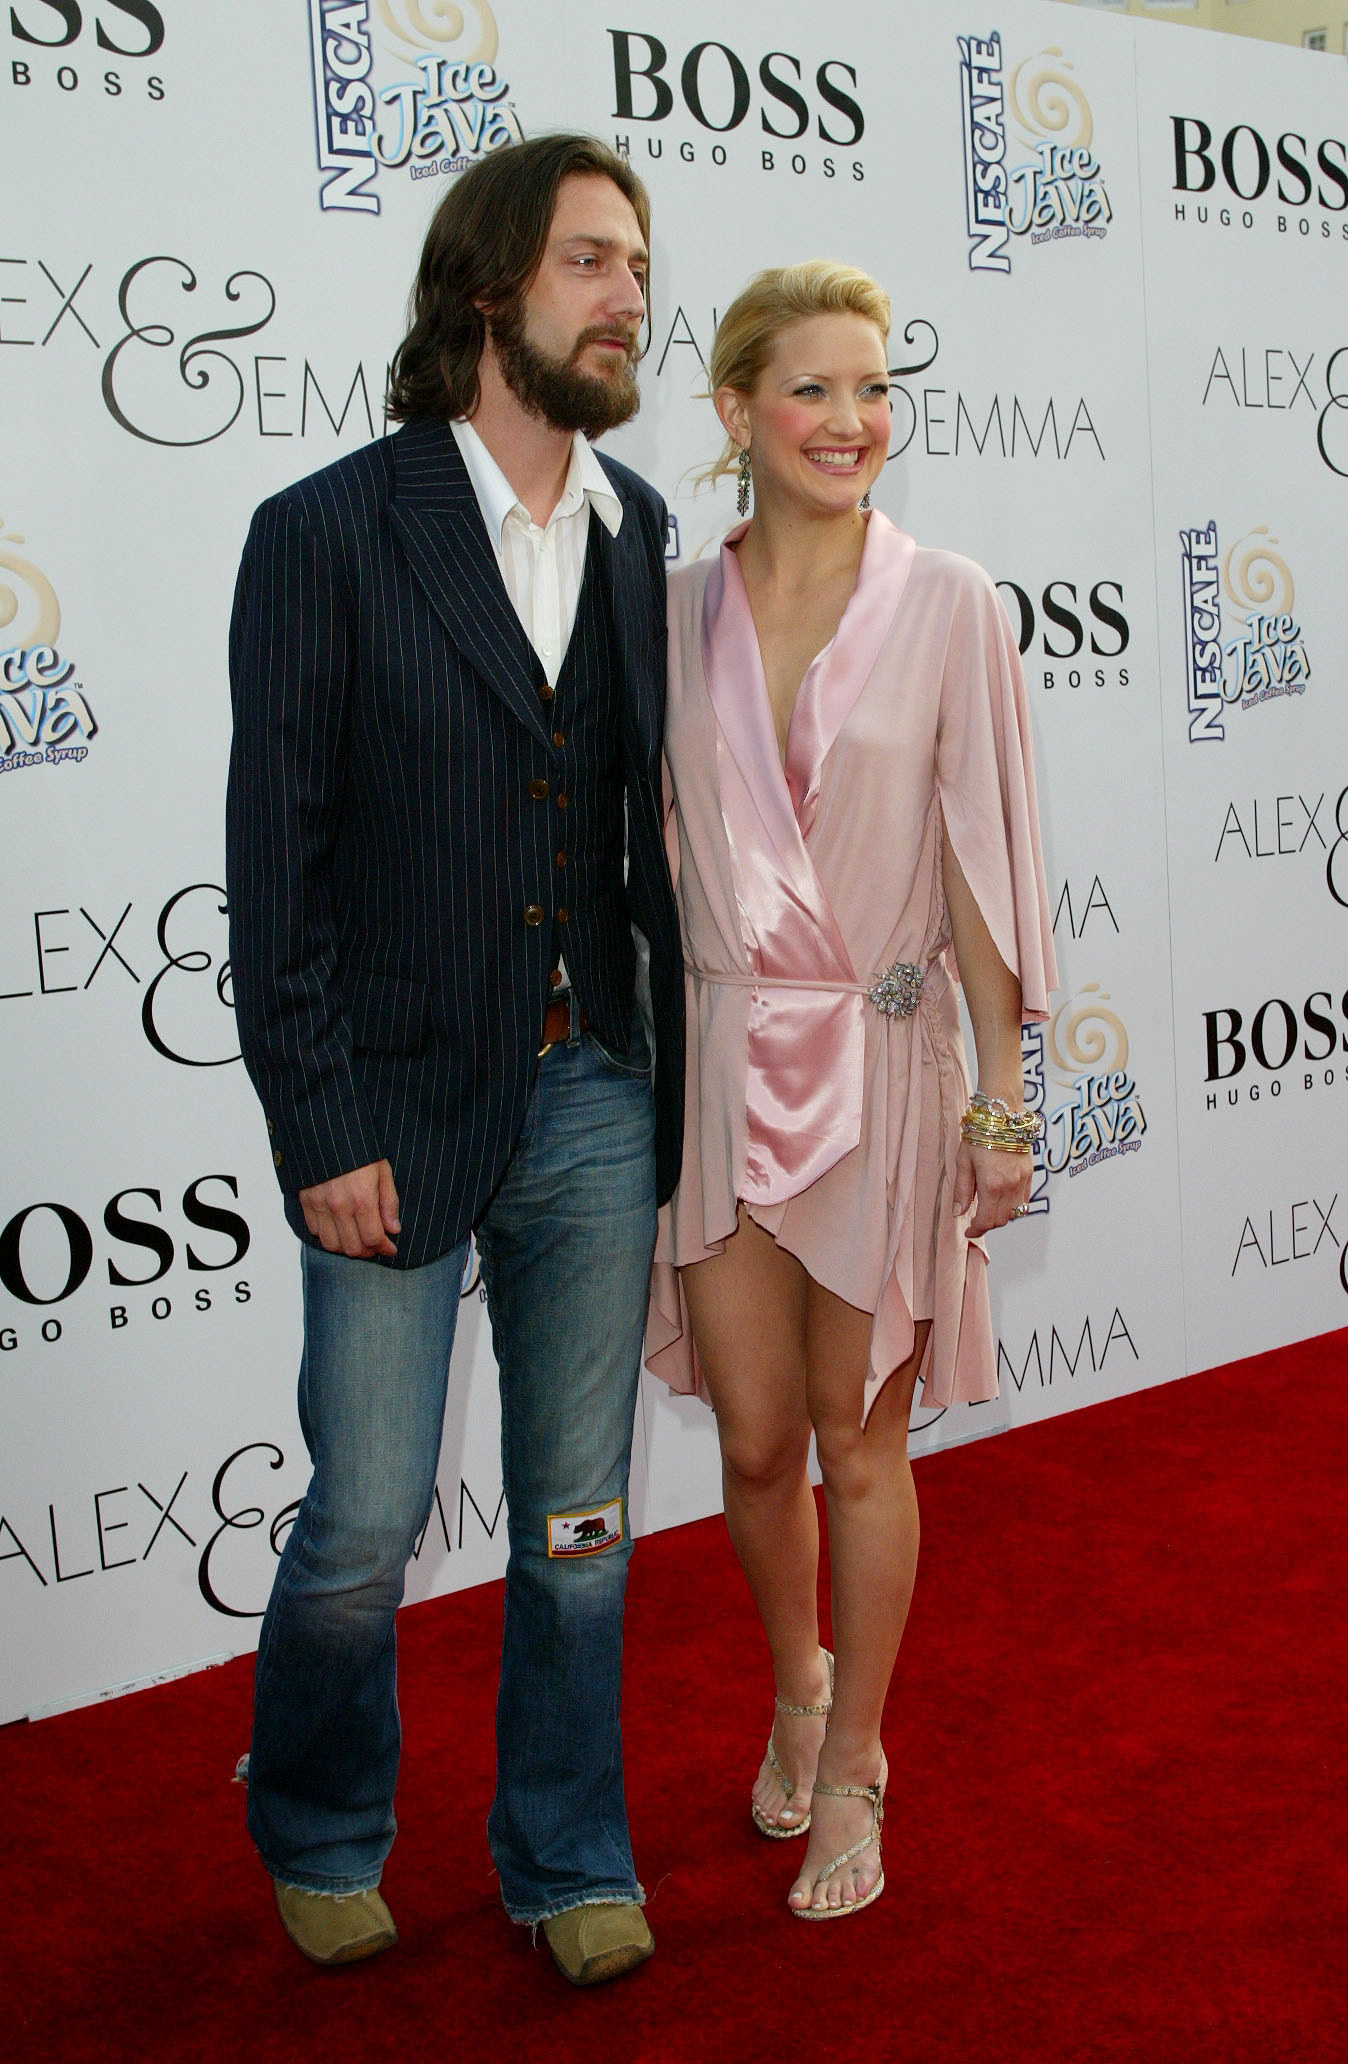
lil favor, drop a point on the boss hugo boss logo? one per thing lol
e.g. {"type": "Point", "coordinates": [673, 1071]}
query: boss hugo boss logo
{"type": "Point", "coordinates": [1082, 630]}
{"type": "Point", "coordinates": [402, 85]}
{"type": "Point", "coordinates": [173, 968]}
{"type": "Point", "coordinates": [778, 99]}
{"type": "Point", "coordinates": [1048, 1357]}
{"type": "Point", "coordinates": [1030, 168]}
{"type": "Point", "coordinates": [49, 1251]}
{"type": "Point", "coordinates": [1244, 165]}
{"type": "Point", "coordinates": [1269, 1046]}
{"type": "Point", "coordinates": [63, 44]}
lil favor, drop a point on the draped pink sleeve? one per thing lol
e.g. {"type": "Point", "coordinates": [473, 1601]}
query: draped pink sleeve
{"type": "Point", "coordinates": [983, 751]}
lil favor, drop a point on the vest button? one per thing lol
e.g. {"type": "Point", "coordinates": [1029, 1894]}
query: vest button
{"type": "Point", "coordinates": [555, 979]}
{"type": "Point", "coordinates": [533, 913]}
{"type": "Point", "coordinates": [559, 738]}
{"type": "Point", "coordinates": [561, 859]}
{"type": "Point", "coordinates": [546, 692]}
{"type": "Point", "coordinates": [561, 799]}
{"type": "Point", "coordinates": [561, 915]}
{"type": "Point", "coordinates": [538, 789]}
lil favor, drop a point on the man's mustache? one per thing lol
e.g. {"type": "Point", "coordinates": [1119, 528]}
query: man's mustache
{"type": "Point", "coordinates": [608, 333]}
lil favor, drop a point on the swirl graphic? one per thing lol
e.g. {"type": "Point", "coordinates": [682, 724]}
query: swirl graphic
{"type": "Point", "coordinates": [1085, 1037]}
{"type": "Point", "coordinates": [27, 597]}
{"type": "Point", "coordinates": [1254, 576]}
{"type": "Point", "coordinates": [1049, 103]}
{"type": "Point", "coordinates": [416, 25]}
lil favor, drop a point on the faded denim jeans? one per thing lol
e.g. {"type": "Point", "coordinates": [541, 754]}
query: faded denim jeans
{"type": "Point", "coordinates": [566, 1250]}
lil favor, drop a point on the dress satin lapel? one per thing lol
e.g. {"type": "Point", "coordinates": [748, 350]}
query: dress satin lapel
{"type": "Point", "coordinates": [436, 517]}
{"type": "Point", "coordinates": [836, 678]}
{"type": "Point", "coordinates": [779, 873]}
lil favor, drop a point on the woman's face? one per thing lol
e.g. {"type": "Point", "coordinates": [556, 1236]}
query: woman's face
{"type": "Point", "coordinates": [817, 423]}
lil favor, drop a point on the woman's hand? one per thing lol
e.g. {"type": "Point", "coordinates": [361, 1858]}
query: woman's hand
{"type": "Point", "coordinates": [996, 1184]}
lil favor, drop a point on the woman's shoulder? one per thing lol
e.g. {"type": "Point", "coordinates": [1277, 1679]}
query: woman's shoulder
{"type": "Point", "coordinates": [952, 571]}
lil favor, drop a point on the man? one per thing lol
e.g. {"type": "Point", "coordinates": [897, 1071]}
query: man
{"type": "Point", "coordinates": [443, 826]}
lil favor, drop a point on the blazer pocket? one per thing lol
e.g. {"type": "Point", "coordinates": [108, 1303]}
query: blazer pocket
{"type": "Point", "coordinates": [388, 1013]}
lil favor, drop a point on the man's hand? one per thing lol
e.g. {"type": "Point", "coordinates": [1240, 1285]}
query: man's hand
{"type": "Point", "coordinates": [355, 1213]}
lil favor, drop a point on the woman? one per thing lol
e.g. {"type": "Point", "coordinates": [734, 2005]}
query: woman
{"type": "Point", "coordinates": [852, 814]}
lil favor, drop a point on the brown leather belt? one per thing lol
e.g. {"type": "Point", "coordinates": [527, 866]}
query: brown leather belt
{"type": "Point", "coordinates": [557, 1023]}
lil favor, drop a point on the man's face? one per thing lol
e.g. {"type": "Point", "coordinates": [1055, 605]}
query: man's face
{"type": "Point", "coordinates": [568, 349]}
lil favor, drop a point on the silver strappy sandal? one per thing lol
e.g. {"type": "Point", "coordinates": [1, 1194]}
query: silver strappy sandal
{"type": "Point", "coordinates": [876, 1794]}
{"type": "Point", "coordinates": [772, 1829]}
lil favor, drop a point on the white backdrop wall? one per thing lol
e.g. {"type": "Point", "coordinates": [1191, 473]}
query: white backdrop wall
{"type": "Point", "coordinates": [1117, 258]}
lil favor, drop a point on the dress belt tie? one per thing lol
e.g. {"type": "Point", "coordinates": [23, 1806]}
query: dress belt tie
{"type": "Point", "coordinates": [894, 992]}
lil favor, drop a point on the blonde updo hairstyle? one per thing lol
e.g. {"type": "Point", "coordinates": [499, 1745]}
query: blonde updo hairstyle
{"type": "Point", "coordinates": [770, 304]}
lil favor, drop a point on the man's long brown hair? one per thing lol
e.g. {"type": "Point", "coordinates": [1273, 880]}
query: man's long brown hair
{"type": "Point", "coordinates": [485, 243]}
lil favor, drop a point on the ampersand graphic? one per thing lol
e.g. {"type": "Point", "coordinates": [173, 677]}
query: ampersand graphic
{"type": "Point", "coordinates": [1338, 399]}
{"type": "Point", "coordinates": [242, 1521]}
{"type": "Point", "coordinates": [194, 372]}
{"type": "Point", "coordinates": [1338, 890]}
{"type": "Point", "coordinates": [901, 372]}
{"type": "Point", "coordinates": [197, 960]}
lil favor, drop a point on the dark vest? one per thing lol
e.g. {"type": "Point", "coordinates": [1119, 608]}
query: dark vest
{"type": "Point", "coordinates": [591, 928]}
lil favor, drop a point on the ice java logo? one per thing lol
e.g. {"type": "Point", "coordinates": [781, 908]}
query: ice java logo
{"type": "Point", "coordinates": [45, 718]}
{"type": "Point", "coordinates": [448, 110]}
{"type": "Point", "coordinates": [1252, 657]}
{"type": "Point", "coordinates": [1030, 169]}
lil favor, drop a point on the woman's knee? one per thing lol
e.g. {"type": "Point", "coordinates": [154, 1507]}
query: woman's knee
{"type": "Point", "coordinates": [853, 1459]}
{"type": "Point", "coordinates": [764, 1458]}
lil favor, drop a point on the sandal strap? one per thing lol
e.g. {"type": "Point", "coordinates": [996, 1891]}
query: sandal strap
{"type": "Point", "coordinates": [811, 1712]}
{"type": "Point", "coordinates": [853, 1791]}
{"type": "Point", "coordinates": [783, 1780]}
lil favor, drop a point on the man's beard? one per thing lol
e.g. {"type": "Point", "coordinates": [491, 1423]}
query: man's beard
{"type": "Point", "coordinates": [555, 389]}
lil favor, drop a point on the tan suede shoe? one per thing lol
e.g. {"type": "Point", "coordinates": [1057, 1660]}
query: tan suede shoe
{"type": "Point", "coordinates": [335, 1928]}
{"type": "Point", "coordinates": [592, 1943]}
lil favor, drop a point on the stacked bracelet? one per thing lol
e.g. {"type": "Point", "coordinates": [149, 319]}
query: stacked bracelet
{"type": "Point", "coordinates": [989, 1122]}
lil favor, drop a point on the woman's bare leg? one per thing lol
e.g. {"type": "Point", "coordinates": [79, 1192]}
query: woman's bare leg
{"type": "Point", "coordinates": [873, 1542]}
{"type": "Point", "coordinates": [748, 1308]}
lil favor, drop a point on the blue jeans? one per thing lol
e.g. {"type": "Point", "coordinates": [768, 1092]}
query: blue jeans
{"type": "Point", "coordinates": [566, 1248]}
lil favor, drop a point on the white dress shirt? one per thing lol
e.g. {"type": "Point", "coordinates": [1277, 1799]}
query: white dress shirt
{"type": "Point", "coordinates": [542, 565]}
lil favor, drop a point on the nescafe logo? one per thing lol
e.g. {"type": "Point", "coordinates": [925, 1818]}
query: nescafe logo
{"type": "Point", "coordinates": [1244, 160]}
{"type": "Point", "coordinates": [720, 91]}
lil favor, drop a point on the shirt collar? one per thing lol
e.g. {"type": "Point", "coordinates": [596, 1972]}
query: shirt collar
{"type": "Point", "coordinates": [586, 480]}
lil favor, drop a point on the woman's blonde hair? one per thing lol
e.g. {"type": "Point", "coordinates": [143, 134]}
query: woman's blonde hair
{"type": "Point", "coordinates": [770, 304]}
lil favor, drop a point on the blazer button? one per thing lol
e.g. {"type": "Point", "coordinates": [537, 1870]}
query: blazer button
{"type": "Point", "coordinates": [538, 789]}
{"type": "Point", "coordinates": [271, 1127]}
{"type": "Point", "coordinates": [561, 799]}
{"type": "Point", "coordinates": [561, 859]}
{"type": "Point", "coordinates": [276, 1157]}
{"type": "Point", "coordinates": [533, 913]}
{"type": "Point", "coordinates": [561, 915]}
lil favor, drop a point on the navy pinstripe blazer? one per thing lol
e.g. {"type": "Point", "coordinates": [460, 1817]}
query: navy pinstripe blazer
{"type": "Point", "coordinates": [381, 842]}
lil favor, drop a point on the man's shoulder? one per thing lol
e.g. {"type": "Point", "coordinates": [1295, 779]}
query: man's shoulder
{"type": "Point", "coordinates": [631, 486]}
{"type": "Point", "coordinates": [338, 491]}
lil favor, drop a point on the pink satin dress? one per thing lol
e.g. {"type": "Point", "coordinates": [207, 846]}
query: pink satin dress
{"type": "Point", "coordinates": [836, 1124]}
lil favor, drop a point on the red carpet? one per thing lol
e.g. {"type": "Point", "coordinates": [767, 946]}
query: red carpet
{"type": "Point", "coordinates": [1115, 1824]}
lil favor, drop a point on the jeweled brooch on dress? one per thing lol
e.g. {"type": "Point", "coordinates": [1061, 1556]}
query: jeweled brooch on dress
{"type": "Point", "coordinates": [897, 989]}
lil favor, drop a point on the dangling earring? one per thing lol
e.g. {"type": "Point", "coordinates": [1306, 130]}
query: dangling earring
{"type": "Point", "coordinates": [866, 500]}
{"type": "Point", "coordinates": [742, 482]}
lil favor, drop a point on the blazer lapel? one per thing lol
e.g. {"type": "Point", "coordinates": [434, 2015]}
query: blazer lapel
{"type": "Point", "coordinates": [436, 518]}
{"type": "Point", "coordinates": [623, 571]}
